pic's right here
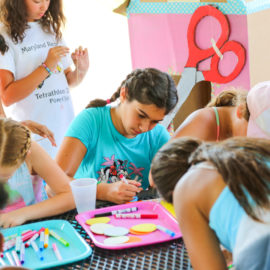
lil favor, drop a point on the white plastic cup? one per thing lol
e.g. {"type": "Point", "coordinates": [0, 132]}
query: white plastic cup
{"type": "Point", "coordinates": [84, 193]}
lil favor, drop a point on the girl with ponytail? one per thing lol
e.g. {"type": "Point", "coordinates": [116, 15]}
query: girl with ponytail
{"type": "Point", "coordinates": [111, 142]}
{"type": "Point", "coordinates": [23, 165]}
{"type": "Point", "coordinates": [221, 195]}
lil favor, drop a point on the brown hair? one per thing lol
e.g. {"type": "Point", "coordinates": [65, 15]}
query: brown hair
{"type": "Point", "coordinates": [14, 16]}
{"type": "Point", "coordinates": [15, 141]}
{"type": "Point", "coordinates": [242, 163]}
{"type": "Point", "coordinates": [147, 86]}
{"type": "Point", "coordinates": [233, 98]}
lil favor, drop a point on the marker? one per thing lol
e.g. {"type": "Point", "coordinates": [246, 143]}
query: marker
{"type": "Point", "coordinates": [10, 260]}
{"type": "Point", "coordinates": [18, 243]}
{"type": "Point", "coordinates": [16, 258]}
{"type": "Point", "coordinates": [59, 238]}
{"type": "Point", "coordinates": [9, 244]}
{"type": "Point", "coordinates": [230, 266]}
{"type": "Point", "coordinates": [120, 211]}
{"type": "Point", "coordinates": [34, 246]}
{"type": "Point", "coordinates": [28, 235]}
{"type": "Point", "coordinates": [136, 216]}
{"type": "Point", "coordinates": [2, 262]}
{"type": "Point", "coordinates": [10, 237]}
{"type": "Point", "coordinates": [33, 238]}
{"type": "Point", "coordinates": [22, 252]}
{"type": "Point", "coordinates": [169, 232]}
{"type": "Point", "coordinates": [56, 251]}
{"type": "Point", "coordinates": [41, 241]}
{"type": "Point", "coordinates": [46, 238]}
{"type": "Point", "coordinates": [1, 255]}
{"type": "Point", "coordinates": [123, 178]}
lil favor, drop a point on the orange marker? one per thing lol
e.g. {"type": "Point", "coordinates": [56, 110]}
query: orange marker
{"type": "Point", "coordinates": [46, 238]}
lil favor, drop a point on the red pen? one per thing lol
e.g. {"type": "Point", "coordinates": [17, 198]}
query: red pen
{"type": "Point", "coordinates": [136, 216]}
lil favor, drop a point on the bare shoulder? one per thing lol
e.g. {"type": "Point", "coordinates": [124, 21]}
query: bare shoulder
{"type": "Point", "coordinates": [199, 187]}
{"type": "Point", "coordinates": [200, 124]}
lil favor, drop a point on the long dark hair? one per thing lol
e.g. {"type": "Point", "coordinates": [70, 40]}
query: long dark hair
{"type": "Point", "coordinates": [3, 45]}
{"type": "Point", "coordinates": [243, 163]}
{"type": "Point", "coordinates": [14, 16]}
{"type": "Point", "coordinates": [147, 86]}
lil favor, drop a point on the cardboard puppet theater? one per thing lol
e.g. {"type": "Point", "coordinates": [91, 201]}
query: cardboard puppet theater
{"type": "Point", "coordinates": [208, 46]}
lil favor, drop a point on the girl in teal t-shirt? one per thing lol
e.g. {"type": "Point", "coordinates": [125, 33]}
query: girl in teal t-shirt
{"type": "Point", "coordinates": [110, 143]}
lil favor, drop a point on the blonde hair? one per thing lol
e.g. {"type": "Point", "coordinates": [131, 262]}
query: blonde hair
{"type": "Point", "coordinates": [15, 141]}
{"type": "Point", "coordinates": [231, 97]}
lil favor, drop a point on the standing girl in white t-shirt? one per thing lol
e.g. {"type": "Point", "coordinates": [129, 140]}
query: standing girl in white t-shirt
{"type": "Point", "coordinates": [35, 72]}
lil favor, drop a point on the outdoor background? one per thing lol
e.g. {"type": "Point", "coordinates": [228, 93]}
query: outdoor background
{"type": "Point", "coordinates": [92, 24]}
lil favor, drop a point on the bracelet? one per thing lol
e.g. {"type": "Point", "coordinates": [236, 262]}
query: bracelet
{"type": "Point", "coordinates": [48, 70]}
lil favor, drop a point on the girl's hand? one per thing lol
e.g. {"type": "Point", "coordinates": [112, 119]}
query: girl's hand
{"type": "Point", "coordinates": [12, 219]}
{"type": "Point", "coordinates": [81, 59]}
{"type": "Point", "coordinates": [54, 56]}
{"type": "Point", "coordinates": [120, 192]}
{"type": "Point", "coordinates": [39, 129]}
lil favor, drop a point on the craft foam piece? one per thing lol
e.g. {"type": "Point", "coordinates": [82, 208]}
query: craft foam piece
{"type": "Point", "coordinates": [138, 233]}
{"type": "Point", "coordinates": [116, 240]}
{"type": "Point", "coordinates": [169, 207]}
{"type": "Point", "coordinates": [144, 227]}
{"type": "Point", "coordinates": [133, 239]}
{"type": "Point", "coordinates": [116, 231]}
{"type": "Point", "coordinates": [98, 228]}
{"type": "Point", "coordinates": [92, 221]}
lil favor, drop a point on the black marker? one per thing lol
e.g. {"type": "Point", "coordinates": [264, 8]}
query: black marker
{"type": "Point", "coordinates": [120, 211]}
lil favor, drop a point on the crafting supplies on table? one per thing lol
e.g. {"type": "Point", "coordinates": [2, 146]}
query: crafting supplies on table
{"type": "Point", "coordinates": [43, 244]}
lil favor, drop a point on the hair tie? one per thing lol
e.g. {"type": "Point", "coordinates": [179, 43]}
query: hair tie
{"type": "Point", "coordinates": [108, 101]}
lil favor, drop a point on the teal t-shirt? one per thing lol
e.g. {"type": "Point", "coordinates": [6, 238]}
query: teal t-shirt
{"type": "Point", "coordinates": [109, 153]}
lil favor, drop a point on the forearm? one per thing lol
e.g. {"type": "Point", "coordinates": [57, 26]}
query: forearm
{"type": "Point", "coordinates": [20, 89]}
{"type": "Point", "coordinates": [75, 77]}
{"type": "Point", "coordinates": [102, 190]}
{"type": "Point", "coordinates": [58, 204]}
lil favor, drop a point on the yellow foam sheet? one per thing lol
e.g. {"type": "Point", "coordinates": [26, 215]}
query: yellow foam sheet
{"type": "Point", "coordinates": [92, 221]}
{"type": "Point", "coordinates": [169, 207]}
{"type": "Point", "coordinates": [144, 227]}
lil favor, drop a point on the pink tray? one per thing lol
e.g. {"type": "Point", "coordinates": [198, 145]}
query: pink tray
{"type": "Point", "coordinates": [164, 218]}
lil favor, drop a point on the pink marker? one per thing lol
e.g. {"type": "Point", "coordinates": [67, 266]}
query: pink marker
{"type": "Point", "coordinates": [28, 235]}
{"type": "Point", "coordinates": [123, 178]}
{"type": "Point", "coordinates": [136, 216]}
{"type": "Point", "coordinates": [56, 251]}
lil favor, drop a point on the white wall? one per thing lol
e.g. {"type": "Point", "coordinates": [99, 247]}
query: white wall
{"type": "Point", "coordinates": [92, 24]}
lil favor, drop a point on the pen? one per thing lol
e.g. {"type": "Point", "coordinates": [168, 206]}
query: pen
{"type": "Point", "coordinates": [120, 211]}
{"type": "Point", "coordinates": [169, 232]}
{"type": "Point", "coordinates": [59, 238]}
{"type": "Point", "coordinates": [57, 252]}
{"type": "Point", "coordinates": [136, 216]}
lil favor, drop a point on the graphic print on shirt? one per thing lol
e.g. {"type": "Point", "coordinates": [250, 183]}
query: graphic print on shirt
{"type": "Point", "coordinates": [112, 168]}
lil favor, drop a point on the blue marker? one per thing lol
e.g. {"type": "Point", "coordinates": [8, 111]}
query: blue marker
{"type": "Point", "coordinates": [169, 232]}
{"type": "Point", "coordinates": [34, 246]}
{"type": "Point", "coordinates": [41, 241]}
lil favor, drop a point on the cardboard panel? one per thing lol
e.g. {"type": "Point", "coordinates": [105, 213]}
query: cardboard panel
{"type": "Point", "coordinates": [199, 97]}
{"type": "Point", "coordinates": [259, 46]}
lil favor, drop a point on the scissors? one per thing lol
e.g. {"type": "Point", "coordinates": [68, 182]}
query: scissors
{"type": "Point", "coordinates": [190, 75]}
